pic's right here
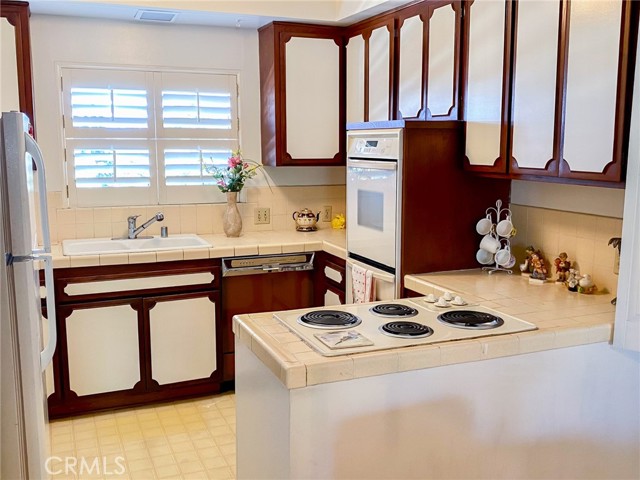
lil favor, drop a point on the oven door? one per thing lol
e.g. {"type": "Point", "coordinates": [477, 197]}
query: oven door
{"type": "Point", "coordinates": [372, 201]}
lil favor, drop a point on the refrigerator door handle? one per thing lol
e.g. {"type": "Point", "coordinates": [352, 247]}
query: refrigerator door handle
{"type": "Point", "coordinates": [46, 355]}
{"type": "Point", "coordinates": [34, 150]}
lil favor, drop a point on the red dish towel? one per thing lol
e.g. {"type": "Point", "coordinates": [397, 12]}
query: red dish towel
{"type": "Point", "coordinates": [362, 284]}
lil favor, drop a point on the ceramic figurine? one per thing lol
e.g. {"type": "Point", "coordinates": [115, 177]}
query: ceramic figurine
{"type": "Point", "coordinates": [586, 285]}
{"type": "Point", "coordinates": [572, 281]}
{"type": "Point", "coordinates": [527, 268]}
{"type": "Point", "coordinates": [563, 265]}
{"type": "Point", "coordinates": [539, 269]}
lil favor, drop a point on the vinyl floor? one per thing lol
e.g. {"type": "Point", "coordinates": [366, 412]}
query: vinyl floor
{"type": "Point", "coordinates": [193, 439]}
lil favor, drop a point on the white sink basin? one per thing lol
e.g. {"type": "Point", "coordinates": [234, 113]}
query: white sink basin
{"type": "Point", "coordinates": [99, 246]}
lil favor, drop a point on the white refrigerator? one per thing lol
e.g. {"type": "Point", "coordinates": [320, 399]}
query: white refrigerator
{"type": "Point", "coordinates": [24, 355]}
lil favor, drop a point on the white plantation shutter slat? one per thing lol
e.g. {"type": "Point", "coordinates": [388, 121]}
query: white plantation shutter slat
{"type": "Point", "coordinates": [108, 168]}
{"type": "Point", "coordinates": [189, 166]}
{"type": "Point", "coordinates": [196, 109]}
{"type": "Point", "coordinates": [108, 108]}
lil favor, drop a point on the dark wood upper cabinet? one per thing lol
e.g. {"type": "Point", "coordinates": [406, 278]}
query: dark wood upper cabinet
{"type": "Point", "coordinates": [404, 64]}
{"type": "Point", "coordinates": [370, 72]}
{"type": "Point", "coordinates": [428, 60]}
{"type": "Point", "coordinates": [548, 88]}
{"type": "Point", "coordinates": [16, 58]}
{"type": "Point", "coordinates": [598, 88]}
{"type": "Point", "coordinates": [486, 71]}
{"type": "Point", "coordinates": [302, 94]}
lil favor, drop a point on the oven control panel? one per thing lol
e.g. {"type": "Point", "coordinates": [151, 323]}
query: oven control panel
{"type": "Point", "coordinates": [373, 145]}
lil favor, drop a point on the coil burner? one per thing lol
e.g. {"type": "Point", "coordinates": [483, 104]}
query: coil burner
{"type": "Point", "coordinates": [470, 319]}
{"type": "Point", "coordinates": [329, 319]}
{"type": "Point", "coordinates": [393, 310]}
{"type": "Point", "coordinates": [404, 329]}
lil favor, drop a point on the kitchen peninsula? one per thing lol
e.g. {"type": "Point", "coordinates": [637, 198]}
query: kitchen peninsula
{"type": "Point", "coordinates": [556, 402]}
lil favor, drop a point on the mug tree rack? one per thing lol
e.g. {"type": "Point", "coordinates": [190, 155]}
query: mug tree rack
{"type": "Point", "coordinates": [504, 241]}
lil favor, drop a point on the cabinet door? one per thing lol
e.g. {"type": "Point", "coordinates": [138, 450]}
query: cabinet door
{"type": "Point", "coordinates": [16, 90]}
{"type": "Point", "coordinates": [9, 96]}
{"type": "Point", "coordinates": [183, 347]}
{"type": "Point", "coordinates": [442, 64]}
{"type": "Point", "coordinates": [592, 104]}
{"type": "Point", "coordinates": [302, 104]}
{"type": "Point", "coordinates": [102, 347]}
{"type": "Point", "coordinates": [312, 98]}
{"type": "Point", "coordinates": [355, 80]}
{"type": "Point", "coordinates": [411, 67]}
{"type": "Point", "coordinates": [534, 98]}
{"type": "Point", "coordinates": [328, 280]}
{"type": "Point", "coordinates": [379, 78]}
{"type": "Point", "coordinates": [488, 35]}
{"type": "Point", "coordinates": [428, 59]}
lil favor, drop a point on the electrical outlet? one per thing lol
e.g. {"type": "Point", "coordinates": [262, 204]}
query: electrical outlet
{"type": "Point", "coordinates": [326, 213]}
{"type": "Point", "coordinates": [261, 215]}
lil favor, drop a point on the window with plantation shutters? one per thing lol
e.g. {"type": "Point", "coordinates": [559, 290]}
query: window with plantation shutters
{"type": "Point", "coordinates": [146, 137]}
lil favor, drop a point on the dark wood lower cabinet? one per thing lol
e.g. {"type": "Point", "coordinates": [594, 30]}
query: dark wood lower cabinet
{"type": "Point", "coordinates": [265, 292]}
{"type": "Point", "coordinates": [136, 334]}
{"type": "Point", "coordinates": [329, 280]}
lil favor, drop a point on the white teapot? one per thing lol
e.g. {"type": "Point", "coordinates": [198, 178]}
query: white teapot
{"type": "Point", "coordinates": [306, 220]}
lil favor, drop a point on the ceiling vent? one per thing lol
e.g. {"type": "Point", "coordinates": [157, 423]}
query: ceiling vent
{"type": "Point", "coordinates": [155, 16]}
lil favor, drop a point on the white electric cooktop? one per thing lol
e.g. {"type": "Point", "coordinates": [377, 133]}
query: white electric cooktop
{"type": "Point", "coordinates": [368, 336]}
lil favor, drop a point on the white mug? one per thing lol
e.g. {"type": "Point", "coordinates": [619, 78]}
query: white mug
{"type": "Point", "coordinates": [504, 227]}
{"type": "Point", "coordinates": [490, 244]}
{"type": "Point", "coordinates": [483, 257]}
{"type": "Point", "coordinates": [484, 225]}
{"type": "Point", "coordinates": [510, 263]}
{"type": "Point", "coordinates": [504, 257]}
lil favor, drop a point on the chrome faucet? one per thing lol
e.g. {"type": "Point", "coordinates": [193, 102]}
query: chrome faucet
{"type": "Point", "coordinates": [134, 231]}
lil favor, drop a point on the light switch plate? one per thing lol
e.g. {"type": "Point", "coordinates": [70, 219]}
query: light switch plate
{"type": "Point", "coordinates": [261, 216]}
{"type": "Point", "coordinates": [326, 213]}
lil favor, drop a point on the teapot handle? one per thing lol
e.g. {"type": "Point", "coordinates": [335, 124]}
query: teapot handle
{"type": "Point", "coordinates": [318, 217]}
{"type": "Point", "coordinates": [293, 215]}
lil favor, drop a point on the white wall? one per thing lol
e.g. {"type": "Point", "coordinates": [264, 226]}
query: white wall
{"type": "Point", "coordinates": [58, 40]}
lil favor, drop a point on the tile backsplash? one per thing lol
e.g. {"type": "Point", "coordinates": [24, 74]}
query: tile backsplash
{"type": "Point", "coordinates": [583, 237]}
{"type": "Point", "coordinates": [106, 222]}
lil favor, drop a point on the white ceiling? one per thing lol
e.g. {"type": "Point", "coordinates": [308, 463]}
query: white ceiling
{"type": "Point", "coordinates": [235, 13]}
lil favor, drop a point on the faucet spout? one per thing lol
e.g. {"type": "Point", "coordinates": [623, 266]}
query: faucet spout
{"type": "Point", "coordinates": [134, 231]}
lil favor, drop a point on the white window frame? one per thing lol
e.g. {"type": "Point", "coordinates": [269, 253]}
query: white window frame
{"type": "Point", "coordinates": [155, 137]}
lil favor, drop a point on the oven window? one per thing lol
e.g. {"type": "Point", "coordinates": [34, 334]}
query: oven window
{"type": "Point", "coordinates": [370, 209]}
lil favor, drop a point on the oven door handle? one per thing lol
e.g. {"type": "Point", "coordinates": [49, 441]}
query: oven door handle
{"type": "Point", "coordinates": [379, 165]}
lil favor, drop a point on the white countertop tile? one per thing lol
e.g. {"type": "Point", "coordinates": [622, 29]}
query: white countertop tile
{"type": "Point", "coordinates": [564, 319]}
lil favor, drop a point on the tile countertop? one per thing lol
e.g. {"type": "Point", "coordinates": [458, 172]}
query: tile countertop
{"type": "Point", "coordinates": [251, 243]}
{"type": "Point", "coordinates": [563, 318]}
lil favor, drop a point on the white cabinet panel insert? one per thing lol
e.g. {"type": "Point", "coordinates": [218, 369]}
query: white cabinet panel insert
{"type": "Point", "coordinates": [183, 347]}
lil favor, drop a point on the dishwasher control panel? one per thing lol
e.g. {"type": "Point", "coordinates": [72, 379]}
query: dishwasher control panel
{"type": "Point", "coordinates": [250, 265]}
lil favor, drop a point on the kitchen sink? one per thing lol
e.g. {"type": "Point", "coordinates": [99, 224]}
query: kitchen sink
{"type": "Point", "coordinates": [100, 246]}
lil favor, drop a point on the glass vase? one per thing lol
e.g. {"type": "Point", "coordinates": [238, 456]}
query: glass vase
{"type": "Point", "coordinates": [231, 220]}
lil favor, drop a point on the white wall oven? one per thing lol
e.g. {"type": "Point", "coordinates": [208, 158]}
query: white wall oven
{"type": "Point", "coordinates": [373, 203]}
